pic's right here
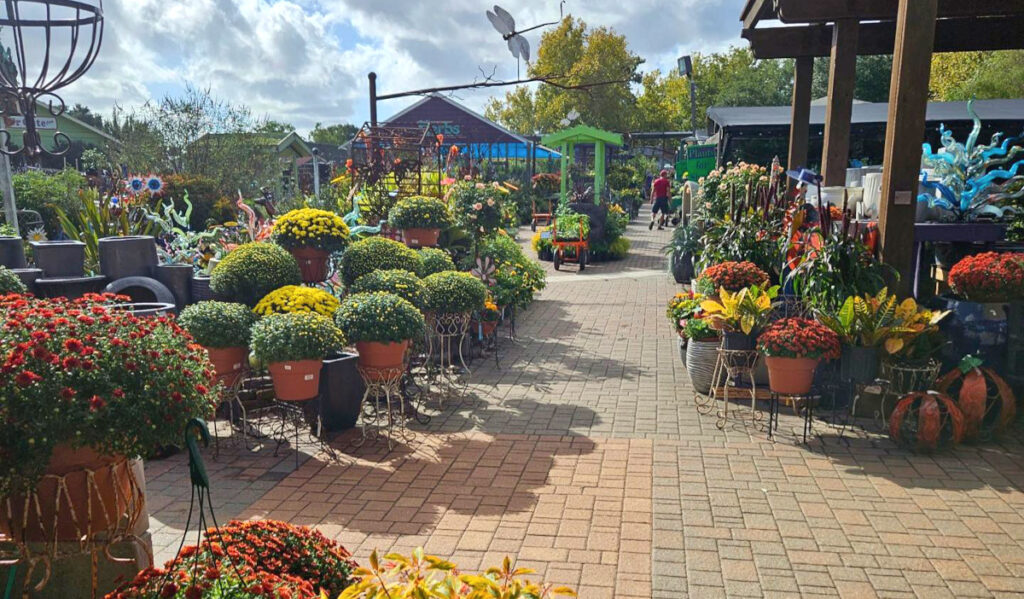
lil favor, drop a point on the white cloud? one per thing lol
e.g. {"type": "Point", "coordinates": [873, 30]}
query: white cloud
{"type": "Point", "coordinates": [304, 61]}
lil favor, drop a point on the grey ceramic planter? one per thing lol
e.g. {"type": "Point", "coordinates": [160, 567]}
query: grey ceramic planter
{"type": "Point", "coordinates": [28, 276]}
{"type": "Point", "coordinates": [59, 259]}
{"type": "Point", "coordinates": [177, 278]}
{"type": "Point", "coordinates": [12, 252]}
{"type": "Point", "coordinates": [131, 256]}
{"type": "Point", "coordinates": [70, 287]}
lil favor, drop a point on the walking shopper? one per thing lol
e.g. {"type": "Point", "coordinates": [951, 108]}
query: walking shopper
{"type": "Point", "coordinates": [660, 191]}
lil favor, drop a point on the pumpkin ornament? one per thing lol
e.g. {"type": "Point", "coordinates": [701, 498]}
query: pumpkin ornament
{"type": "Point", "coordinates": [984, 398]}
{"type": "Point", "coordinates": [925, 421]}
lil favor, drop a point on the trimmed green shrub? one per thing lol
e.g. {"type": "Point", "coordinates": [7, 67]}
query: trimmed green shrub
{"type": "Point", "coordinates": [295, 336]}
{"type": "Point", "coordinates": [454, 292]}
{"type": "Point", "coordinates": [10, 282]}
{"type": "Point", "coordinates": [253, 270]}
{"type": "Point", "coordinates": [379, 316]}
{"type": "Point", "coordinates": [35, 190]}
{"type": "Point", "coordinates": [402, 283]}
{"type": "Point", "coordinates": [420, 212]}
{"type": "Point", "coordinates": [218, 324]}
{"type": "Point", "coordinates": [434, 261]}
{"type": "Point", "coordinates": [376, 253]}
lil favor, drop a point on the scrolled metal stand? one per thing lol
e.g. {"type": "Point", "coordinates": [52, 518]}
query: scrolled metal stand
{"type": "Point", "coordinates": [734, 365]}
{"type": "Point", "coordinates": [383, 405]}
{"type": "Point", "coordinates": [445, 333]}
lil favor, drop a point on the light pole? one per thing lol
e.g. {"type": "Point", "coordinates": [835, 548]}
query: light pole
{"type": "Point", "coordinates": [686, 70]}
{"type": "Point", "coordinates": [316, 173]}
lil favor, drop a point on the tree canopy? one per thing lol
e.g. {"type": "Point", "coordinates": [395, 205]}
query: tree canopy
{"type": "Point", "coordinates": [982, 75]}
{"type": "Point", "coordinates": [874, 74]}
{"type": "Point", "coordinates": [333, 134]}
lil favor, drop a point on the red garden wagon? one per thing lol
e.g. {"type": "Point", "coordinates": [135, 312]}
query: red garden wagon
{"type": "Point", "coordinates": [570, 250]}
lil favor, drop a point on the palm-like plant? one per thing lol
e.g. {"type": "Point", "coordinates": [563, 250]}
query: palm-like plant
{"type": "Point", "coordinates": [744, 311]}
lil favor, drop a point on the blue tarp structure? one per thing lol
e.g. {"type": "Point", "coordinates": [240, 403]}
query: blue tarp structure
{"type": "Point", "coordinates": [501, 151]}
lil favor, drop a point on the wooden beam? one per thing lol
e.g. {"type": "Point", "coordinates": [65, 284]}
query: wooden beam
{"type": "Point", "coordinates": [754, 11]}
{"type": "Point", "coordinates": [951, 35]}
{"type": "Point", "coordinates": [800, 119]}
{"type": "Point", "coordinates": [841, 79]}
{"type": "Point", "coordinates": [908, 102]}
{"type": "Point", "coordinates": [819, 11]}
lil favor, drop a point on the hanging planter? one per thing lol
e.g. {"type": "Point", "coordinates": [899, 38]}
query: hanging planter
{"type": "Point", "coordinates": [926, 421]}
{"type": "Point", "coordinates": [987, 402]}
{"type": "Point", "coordinates": [296, 380]}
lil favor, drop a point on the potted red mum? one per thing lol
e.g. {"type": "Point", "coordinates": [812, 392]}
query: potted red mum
{"type": "Point", "coordinates": [793, 347]}
{"type": "Point", "coordinates": [732, 276]}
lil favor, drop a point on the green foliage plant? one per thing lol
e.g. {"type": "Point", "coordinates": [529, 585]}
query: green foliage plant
{"type": "Point", "coordinates": [253, 270]}
{"type": "Point", "coordinates": [379, 317]}
{"type": "Point", "coordinates": [377, 253]}
{"type": "Point", "coordinates": [11, 282]}
{"type": "Point", "coordinates": [454, 293]}
{"type": "Point", "coordinates": [434, 260]}
{"type": "Point", "coordinates": [294, 337]}
{"type": "Point", "coordinates": [218, 324]}
{"type": "Point", "coordinates": [402, 283]}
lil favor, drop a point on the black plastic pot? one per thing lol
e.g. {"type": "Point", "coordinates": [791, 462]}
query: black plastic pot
{"type": "Point", "coordinates": [28, 276]}
{"type": "Point", "coordinates": [738, 341]}
{"type": "Point", "coordinates": [682, 267]}
{"type": "Point", "coordinates": [201, 291]}
{"type": "Point", "coordinates": [69, 287]}
{"type": "Point", "coordinates": [341, 390]}
{"type": "Point", "coordinates": [858, 364]}
{"type": "Point", "coordinates": [177, 278]}
{"type": "Point", "coordinates": [130, 256]}
{"type": "Point", "coordinates": [12, 252]}
{"type": "Point", "coordinates": [1014, 372]}
{"type": "Point", "coordinates": [60, 259]}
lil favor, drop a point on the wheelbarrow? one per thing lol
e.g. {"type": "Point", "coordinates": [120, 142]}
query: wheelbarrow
{"type": "Point", "coordinates": [568, 251]}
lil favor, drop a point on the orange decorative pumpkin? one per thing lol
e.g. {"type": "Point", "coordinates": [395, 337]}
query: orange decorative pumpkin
{"type": "Point", "coordinates": [926, 421]}
{"type": "Point", "coordinates": [987, 402]}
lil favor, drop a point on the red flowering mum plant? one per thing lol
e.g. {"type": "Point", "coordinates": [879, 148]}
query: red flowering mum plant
{"type": "Point", "coordinates": [799, 338]}
{"type": "Point", "coordinates": [255, 559]}
{"type": "Point", "coordinates": [733, 276]}
{"type": "Point", "coordinates": [86, 374]}
{"type": "Point", "coordinates": [989, 277]}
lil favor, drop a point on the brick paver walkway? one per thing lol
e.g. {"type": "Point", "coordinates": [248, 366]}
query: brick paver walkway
{"type": "Point", "coordinates": [583, 457]}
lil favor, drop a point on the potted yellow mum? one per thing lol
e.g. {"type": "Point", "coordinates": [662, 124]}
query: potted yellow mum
{"type": "Point", "coordinates": [311, 236]}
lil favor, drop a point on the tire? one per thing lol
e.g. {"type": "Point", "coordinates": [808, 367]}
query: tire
{"type": "Point", "coordinates": [557, 259]}
{"type": "Point", "coordinates": [145, 289]}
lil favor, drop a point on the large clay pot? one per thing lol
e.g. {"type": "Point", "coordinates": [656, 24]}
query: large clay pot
{"type": "Point", "coordinates": [312, 263]}
{"type": "Point", "coordinates": [97, 502]}
{"type": "Point", "coordinates": [987, 402]}
{"type": "Point", "coordinates": [129, 256]}
{"type": "Point", "coordinates": [59, 259]}
{"type": "Point", "coordinates": [926, 421]}
{"type": "Point", "coordinates": [791, 376]}
{"type": "Point", "coordinates": [229, 363]}
{"type": "Point", "coordinates": [375, 355]}
{"type": "Point", "coordinates": [418, 238]}
{"type": "Point", "coordinates": [700, 364]}
{"type": "Point", "coordinates": [296, 380]}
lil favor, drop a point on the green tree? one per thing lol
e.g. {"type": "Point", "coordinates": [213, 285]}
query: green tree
{"type": "Point", "coordinates": [87, 116]}
{"type": "Point", "coordinates": [982, 75]}
{"type": "Point", "coordinates": [515, 111]}
{"type": "Point", "coordinates": [333, 134]}
{"type": "Point", "coordinates": [873, 76]}
{"type": "Point", "coordinates": [275, 128]}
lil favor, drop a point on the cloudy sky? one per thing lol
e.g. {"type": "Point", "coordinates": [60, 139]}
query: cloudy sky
{"type": "Point", "coordinates": [304, 61]}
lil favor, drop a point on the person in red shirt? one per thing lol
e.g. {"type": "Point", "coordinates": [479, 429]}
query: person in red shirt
{"type": "Point", "coordinates": [661, 189]}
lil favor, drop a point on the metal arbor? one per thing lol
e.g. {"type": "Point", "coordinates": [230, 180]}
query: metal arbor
{"type": "Point", "coordinates": [34, 34]}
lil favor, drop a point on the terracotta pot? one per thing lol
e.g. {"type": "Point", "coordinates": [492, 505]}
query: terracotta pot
{"type": "Point", "coordinates": [312, 263]}
{"type": "Point", "coordinates": [229, 363]}
{"type": "Point", "coordinates": [421, 237]}
{"type": "Point", "coordinates": [486, 327]}
{"type": "Point", "coordinates": [296, 380]}
{"type": "Point", "coordinates": [377, 355]}
{"type": "Point", "coordinates": [791, 376]}
{"type": "Point", "coordinates": [108, 494]}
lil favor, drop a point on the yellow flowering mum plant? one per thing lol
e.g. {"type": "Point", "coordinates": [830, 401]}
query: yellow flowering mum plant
{"type": "Point", "coordinates": [311, 228]}
{"type": "Point", "coordinates": [293, 298]}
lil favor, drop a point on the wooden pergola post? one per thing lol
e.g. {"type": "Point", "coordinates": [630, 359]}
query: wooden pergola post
{"type": "Point", "coordinates": [841, 79]}
{"type": "Point", "coordinates": [908, 102]}
{"type": "Point", "coordinates": [800, 116]}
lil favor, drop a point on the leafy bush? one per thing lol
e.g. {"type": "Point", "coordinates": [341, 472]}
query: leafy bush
{"type": "Point", "coordinates": [518, 277]}
{"type": "Point", "coordinates": [379, 316]}
{"type": "Point", "coordinates": [420, 212]}
{"type": "Point", "coordinates": [434, 260]}
{"type": "Point", "coordinates": [295, 336]}
{"type": "Point", "coordinates": [218, 324]}
{"type": "Point", "coordinates": [477, 207]}
{"type": "Point", "coordinates": [376, 253]}
{"type": "Point", "coordinates": [618, 249]}
{"type": "Point", "coordinates": [683, 307]}
{"type": "Point", "coordinates": [309, 227]}
{"type": "Point", "coordinates": [294, 298]}
{"type": "Point", "coordinates": [10, 282]}
{"type": "Point", "coordinates": [35, 190]}
{"type": "Point", "coordinates": [104, 379]}
{"type": "Point", "coordinates": [402, 283]}
{"type": "Point", "coordinates": [454, 292]}
{"type": "Point", "coordinates": [568, 226]}
{"type": "Point", "coordinates": [253, 270]}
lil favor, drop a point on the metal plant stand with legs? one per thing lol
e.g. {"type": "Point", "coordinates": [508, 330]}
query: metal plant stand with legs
{"type": "Point", "coordinates": [383, 405]}
{"type": "Point", "coordinates": [445, 363]}
{"type": "Point", "coordinates": [734, 366]}
{"type": "Point", "coordinates": [805, 402]}
{"type": "Point", "coordinates": [304, 414]}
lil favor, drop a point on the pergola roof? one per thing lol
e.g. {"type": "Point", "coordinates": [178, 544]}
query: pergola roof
{"type": "Point", "coordinates": [865, 112]}
{"type": "Point", "coordinates": [581, 134]}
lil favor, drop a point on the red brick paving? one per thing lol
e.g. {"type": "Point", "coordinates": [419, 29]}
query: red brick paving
{"type": "Point", "coordinates": [582, 456]}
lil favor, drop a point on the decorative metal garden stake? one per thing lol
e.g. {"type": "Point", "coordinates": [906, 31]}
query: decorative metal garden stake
{"type": "Point", "coordinates": [59, 41]}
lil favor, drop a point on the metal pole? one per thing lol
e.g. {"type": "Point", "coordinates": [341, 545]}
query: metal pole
{"type": "Point", "coordinates": [693, 106]}
{"type": "Point", "coordinates": [7, 188]}
{"type": "Point", "coordinates": [373, 99]}
{"type": "Point", "coordinates": [316, 173]}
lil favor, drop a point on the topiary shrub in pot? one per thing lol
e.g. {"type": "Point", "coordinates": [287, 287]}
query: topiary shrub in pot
{"type": "Point", "coordinates": [87, 387]}
{"type": "Point", "coordinates": [381, 325]}
{"type": "Point", "coordinates": [433, 261]}
{"type": "Point", "coordinates": [402, 283]}
{"type": "Point", "coordinates": [311, 236]}
{"type": "Point", "coordinates": [420, 218]}
{"type": "Point", "coordinates": [10, 282]}
{"type": "Point", "coordinates": [253, 270]}
{"type": "Point", "coordinates": [223, 329]}
{"type": "Point", "coordinates": [793, 347]}
{"type": "Point", "coordinates": [454, 293]}
{"type": "Point", "coordinates": [377, 253]}
{"type": "Point", "coordinates": [293, 346]}
{"type": "Point", "coordinates": [295, 298]}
